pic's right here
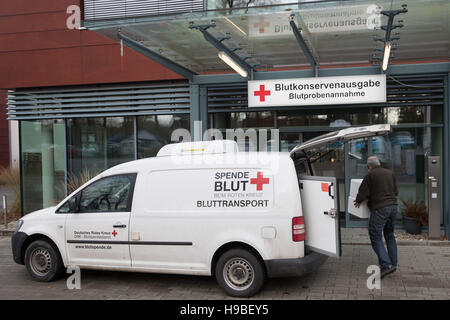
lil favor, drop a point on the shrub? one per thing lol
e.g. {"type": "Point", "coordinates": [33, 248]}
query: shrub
{"type": "Point", "coordinates": [416, 210]}
{"type": "Point", "coordinates": [10, 177]}
{"type": "Point", "coordinates": [75, 181]}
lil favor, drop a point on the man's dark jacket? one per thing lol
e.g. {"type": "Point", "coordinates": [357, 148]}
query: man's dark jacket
{"type": "Point", "coordinates": [379, 188]}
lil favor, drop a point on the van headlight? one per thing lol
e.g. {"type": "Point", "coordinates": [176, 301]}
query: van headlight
{"type": "Point", "coordinates": [19, 225]}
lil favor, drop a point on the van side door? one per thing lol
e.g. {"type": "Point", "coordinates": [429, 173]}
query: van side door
{"type": "Point", "coordinates": [97, 231]}
{"type": "Point", "coordinates": [320, 209]}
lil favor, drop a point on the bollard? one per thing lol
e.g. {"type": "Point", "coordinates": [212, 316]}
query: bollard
{"type": "Point", "coordinates": [5, 211]}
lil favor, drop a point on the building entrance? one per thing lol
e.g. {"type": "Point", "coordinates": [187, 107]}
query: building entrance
{"type": "Point", "coordinates": [414, 110]}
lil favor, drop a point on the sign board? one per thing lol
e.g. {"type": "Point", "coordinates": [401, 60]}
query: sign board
{"type": "Point", "coordinates": [317, 91]}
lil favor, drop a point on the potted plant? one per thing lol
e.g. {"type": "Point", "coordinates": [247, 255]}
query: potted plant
{"type": "Point", "coordinates": [415, 215]}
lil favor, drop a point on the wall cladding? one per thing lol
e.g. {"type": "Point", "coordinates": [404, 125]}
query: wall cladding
{"type": "Point", "coordinates": [37, 49]}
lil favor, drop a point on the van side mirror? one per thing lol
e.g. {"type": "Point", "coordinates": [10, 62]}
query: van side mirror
{"type": "Point", "coordinates": [73, 204]}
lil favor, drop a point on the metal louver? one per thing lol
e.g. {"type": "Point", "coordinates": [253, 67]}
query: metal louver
{"type": "Point", "coordinates": [109, 9]}
{"type": "Point", "coordinates": [99, 101]}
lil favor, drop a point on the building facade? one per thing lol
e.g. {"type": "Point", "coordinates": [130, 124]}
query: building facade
{"type": "Point", "coordinates": [85, 102]}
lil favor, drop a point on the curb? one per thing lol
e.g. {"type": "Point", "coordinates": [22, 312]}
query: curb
{"type": "Point", "coordinates": [6, 233]}
{"type": "Point", "coordinates": [427, 243]}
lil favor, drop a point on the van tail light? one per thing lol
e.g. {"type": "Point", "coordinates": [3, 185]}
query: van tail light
{"type": "Point", "coordinates": [298, 229]}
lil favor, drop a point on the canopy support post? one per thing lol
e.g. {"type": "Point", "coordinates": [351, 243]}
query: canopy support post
{"type": "Point", "coordinates": [305, 49]}
{"type": "Point", "coordinates": [221, 47]}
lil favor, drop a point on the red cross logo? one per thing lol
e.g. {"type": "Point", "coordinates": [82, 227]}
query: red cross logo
{"type": "Point", "coordinates": [261, 24]}
{"type": "Point", "coordinates": [259, 181]}
{"type": "Point", "coordinates": [114, 233]}
{"type": "Point", "coordinates": [262, 93]}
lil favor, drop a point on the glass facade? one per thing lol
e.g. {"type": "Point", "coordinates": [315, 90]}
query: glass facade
{"type": "Point", "coordinates": [333, 118]}
{"type": "Point", "coordinates": [43, 163]}
{"type": "Point", "coordinates": [59, 155]}
{"type": "Point", "coordinates": [264, 119]}
{"type": "Point", "coordinates": [408, 115]}
{"type": "Point", "coordinates": [153, 132]}
{"type": "Point", "coordinates": [96, 144]}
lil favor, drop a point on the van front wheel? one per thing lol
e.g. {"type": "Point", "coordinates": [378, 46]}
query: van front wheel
{"type": "Point", "coordinates": [240, 273]}
{"type": "Point", "coordinates": [42, 261]}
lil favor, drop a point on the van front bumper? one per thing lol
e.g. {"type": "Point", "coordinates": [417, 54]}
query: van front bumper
{"type": "Point", "coordinates": [17, 241]}
{"type": "Point", "coordinates": [294, 267]}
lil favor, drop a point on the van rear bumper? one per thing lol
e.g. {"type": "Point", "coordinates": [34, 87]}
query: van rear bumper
{"type": "Point", "coordinates": [294, 267]}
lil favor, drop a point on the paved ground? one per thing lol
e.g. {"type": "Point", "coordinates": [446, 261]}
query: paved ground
{"type": "Point", "coordinates": [424, 273]}
{"type": "Point", "coordinates": [361, 236]}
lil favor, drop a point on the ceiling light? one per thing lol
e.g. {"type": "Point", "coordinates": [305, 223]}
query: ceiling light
{"type": "Point", "coordinates": [234, 25]}
{"type": "Point", "coordinates": [387, 53]}
{"type": "Point", "coordinates": [232, 64]}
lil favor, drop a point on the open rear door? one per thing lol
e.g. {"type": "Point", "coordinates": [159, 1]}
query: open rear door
{"type": "Point", "coordinates": [342, 135]}
{"type": "Point", "coordinates": [320, 210]}
{"type": "Point", "coordinates": [320, 194]}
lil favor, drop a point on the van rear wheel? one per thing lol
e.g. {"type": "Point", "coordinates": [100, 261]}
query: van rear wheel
{"type": "Point", "coordinates": [240, 273]}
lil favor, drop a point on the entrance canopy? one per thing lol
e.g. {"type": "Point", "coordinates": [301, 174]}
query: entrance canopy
{"type": "Point", "coordinates": [348, 33]}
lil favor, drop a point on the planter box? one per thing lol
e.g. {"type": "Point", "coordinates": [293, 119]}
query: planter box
{"type": "Point", "coordinates": [411, 225]}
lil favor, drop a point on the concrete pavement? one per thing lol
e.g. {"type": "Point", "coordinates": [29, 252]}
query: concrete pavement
{"type": "Point", "coordinates": [424, 273]}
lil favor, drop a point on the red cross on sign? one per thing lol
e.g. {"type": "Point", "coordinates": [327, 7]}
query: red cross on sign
{"type": "Point", "coordinates": [261, 24]}
{"type": "Point", "coordinates": [262, 93]}
{"type": "Point", "coordinates": [259, 181]}
{"type": "Point", "coordinates": [114, 233]}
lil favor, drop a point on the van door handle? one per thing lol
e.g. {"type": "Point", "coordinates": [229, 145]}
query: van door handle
{"type": "Point", "coordinates": [119, 226]}
{"type": "Point", "coordinates": [332, 213]}
{"type": "Point", "coordinates": [329, 190]}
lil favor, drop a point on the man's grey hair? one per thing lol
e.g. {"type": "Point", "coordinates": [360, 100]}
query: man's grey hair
{"type": "Point", "coordinates": [373, 162]}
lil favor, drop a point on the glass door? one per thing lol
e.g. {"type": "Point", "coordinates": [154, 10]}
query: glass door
{"type": "Point", "coordinates": [356, 153]}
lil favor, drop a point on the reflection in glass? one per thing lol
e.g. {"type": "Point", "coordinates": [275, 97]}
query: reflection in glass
{"type": "Point", "coordinates": [408, 115]}
{"type": "Point", "coordinates": [404, 151]}
{"type": "Point", "coordinates": [96, 144]}
{"type": "Point", "coordinates": [236, 120]}
{"type": "Point", "coordinates": [251, 130]}
{"type": "Point", "coordinates": [106, 195]}
{"type": "Point", "coordinates": [153, 132]}
{"type": "Point", "coordinates": [333, 118]}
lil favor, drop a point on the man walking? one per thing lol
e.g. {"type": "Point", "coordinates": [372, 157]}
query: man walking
{"type": "Point", "coordinates": [380, 189]}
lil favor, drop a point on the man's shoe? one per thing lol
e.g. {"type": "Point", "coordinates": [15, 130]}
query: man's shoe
{"type": "Point", "coordinates": [386, 271]}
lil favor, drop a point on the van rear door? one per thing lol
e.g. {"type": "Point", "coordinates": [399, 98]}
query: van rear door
{"type": "Point", "coordinates": [320, 210]}
{"type": "Point", "coordinates": [341, 135]}
{"type": "Point", "coordinates": [319, 194]}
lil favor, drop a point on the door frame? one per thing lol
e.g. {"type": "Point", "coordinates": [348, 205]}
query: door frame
{"type": "Point", "coordinates": [362, 223]}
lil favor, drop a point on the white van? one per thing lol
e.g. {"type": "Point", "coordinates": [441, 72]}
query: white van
{"type": "Point", "coordinates": [200, 208]}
